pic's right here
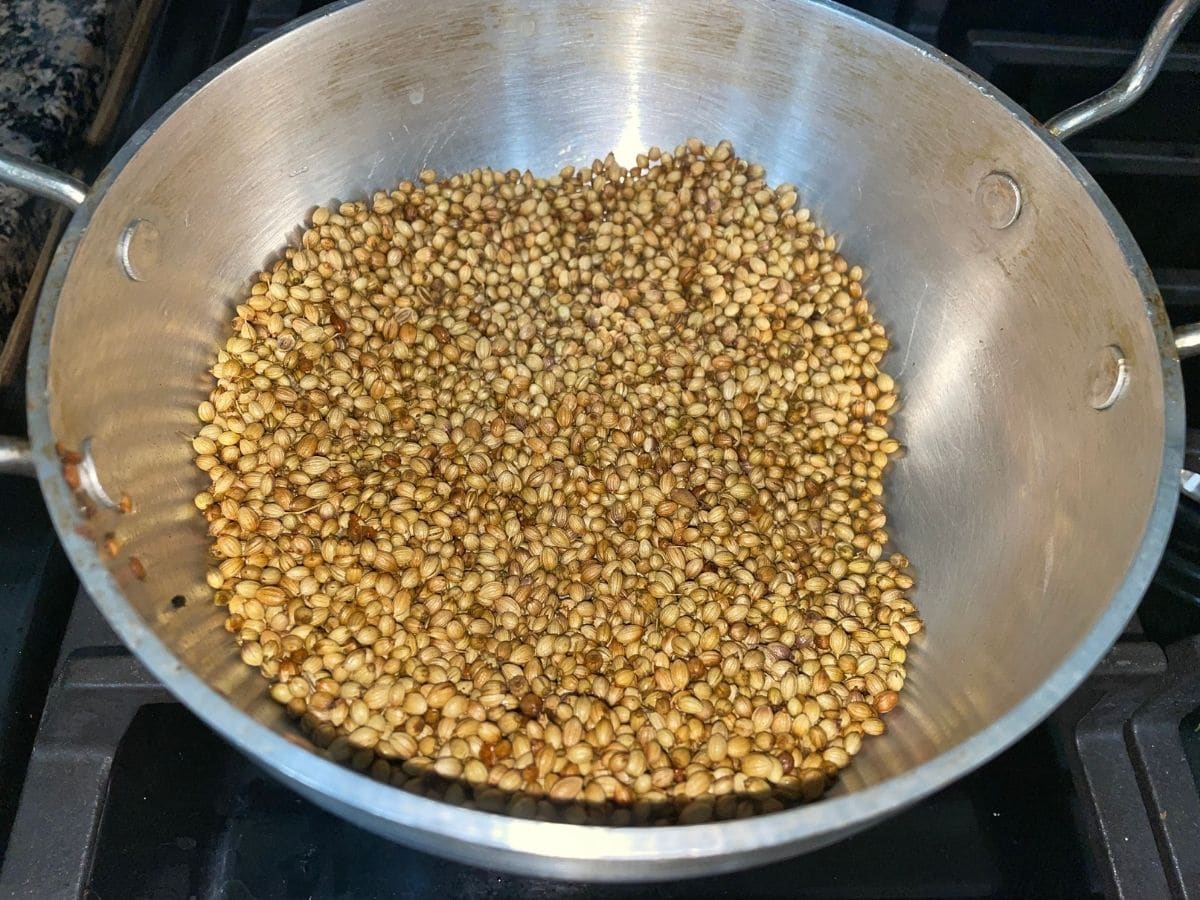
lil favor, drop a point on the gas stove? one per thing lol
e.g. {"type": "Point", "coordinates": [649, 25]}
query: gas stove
{"type": "Point", "coordinates": [112, 789]}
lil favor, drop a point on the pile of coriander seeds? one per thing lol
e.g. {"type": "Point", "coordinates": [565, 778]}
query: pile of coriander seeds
{"type": "Point", "coordinates": [563, 496]}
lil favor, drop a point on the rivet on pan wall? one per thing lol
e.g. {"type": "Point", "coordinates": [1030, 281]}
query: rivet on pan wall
{"type": "Point", "coordinates": [89, 480]}
{"type": "Point", "coordinates": [1108, 377]}
{"type": "Point", "coordinates": [998, 199]}
{"type": "Point", "coordinates": [139, 249]}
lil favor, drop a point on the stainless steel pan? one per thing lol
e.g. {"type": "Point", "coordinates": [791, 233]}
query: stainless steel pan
{"type": "Point", "coordinates": [1043, 408]}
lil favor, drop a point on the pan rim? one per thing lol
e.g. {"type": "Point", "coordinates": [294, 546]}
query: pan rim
{"type": "Point", "coordinates": [587, 851]}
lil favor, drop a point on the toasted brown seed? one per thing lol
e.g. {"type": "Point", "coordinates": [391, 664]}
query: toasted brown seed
{"type": "Point", "coordinates": [886, 701]}
{"type": "Point", "coordinates": [531, 705]}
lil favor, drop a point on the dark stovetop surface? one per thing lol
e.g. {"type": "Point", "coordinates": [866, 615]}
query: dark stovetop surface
{"type": "Point", "coordinates": [247, 836]}
{"type": "Point", "coordinates": [128, 795]}
{"type": "Point", "coordinates": [36, 589]}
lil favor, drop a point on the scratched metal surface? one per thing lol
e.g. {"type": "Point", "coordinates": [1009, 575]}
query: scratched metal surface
{"type": "Point", "coordinates": [1033, 520]}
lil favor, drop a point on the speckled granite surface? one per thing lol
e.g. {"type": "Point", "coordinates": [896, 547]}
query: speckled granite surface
{"type": "Point", "coordinates": [55, 59]}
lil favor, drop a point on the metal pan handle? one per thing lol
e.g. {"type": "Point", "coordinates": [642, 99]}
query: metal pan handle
{"type": "Point", "coordinates": [1187, 341]}
{"type": "Point", "coordinates": [1134, 82]}
{"type": "Point", "coordinates": [1120, 96]}
{"type": "Point", "coordinates": [15, 457]}
{"type": "Point", "coordinates": [41, 181]}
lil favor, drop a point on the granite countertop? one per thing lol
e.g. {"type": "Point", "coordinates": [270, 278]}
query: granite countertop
{"type": "Point", "coordinates": [56, 59]}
